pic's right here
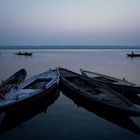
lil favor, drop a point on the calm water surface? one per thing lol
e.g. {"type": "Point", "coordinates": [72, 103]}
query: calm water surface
{"type": "Point", "coordinates": [63, 118]}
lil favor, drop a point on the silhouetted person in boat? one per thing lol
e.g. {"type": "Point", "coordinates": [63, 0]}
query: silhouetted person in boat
{"type": "Point", "coordinates": [132, 53]}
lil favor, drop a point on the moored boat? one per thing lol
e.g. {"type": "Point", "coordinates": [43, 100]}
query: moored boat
{"type": "Point", "coordinates": [24, 53]}
{"type": "Point", "coordinates": [96, 93]}
{"type": "Point", "coordinates": [30, 90]}
{"type": "Point", "coordinates": [11, 120]}
{"type": "Point", "coordinates": [123, 121]}
{"type": "Point", "coordinates": [121, 86]}
{"type": "Point", "coordinates": [132, 54]}
{"type": "Point", "coordinates": [12, 81]}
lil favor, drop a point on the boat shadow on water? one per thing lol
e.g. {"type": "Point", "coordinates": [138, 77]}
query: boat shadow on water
{"type": "Point", "coordinates": [121, 120]}
{"type": "Point", "coordinates": [11, 120]}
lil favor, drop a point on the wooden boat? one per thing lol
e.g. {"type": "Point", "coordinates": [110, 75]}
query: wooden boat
{"type": "Point", "coordinates": [24, 53]}
{"type": "Point", "coordinates": [30, 90]}
{"type": "Point", "coordinates": [122, 86]}
{"type": "Point", "coordinates": [95, 93]}
{"type": "Point", "coordinates": [119, 119]}
{"type": "Point", "coordinates": [133, 55]}
{"type": "Point", "coordinates": [12, 81]}
{"type": "Point", "coordinates": [11, 120]}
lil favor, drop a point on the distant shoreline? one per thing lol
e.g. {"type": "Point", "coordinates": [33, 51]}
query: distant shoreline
{"type": "Point", "coordinates": [70, 47]}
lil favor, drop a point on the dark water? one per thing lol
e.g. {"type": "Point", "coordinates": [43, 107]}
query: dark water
{"type": "Point", "coordinates": [63, 117]}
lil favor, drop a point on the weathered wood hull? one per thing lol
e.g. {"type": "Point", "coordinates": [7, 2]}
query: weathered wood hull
{"type": "Point", "coordinates": [23, 103]}
{"type": "Point", "coordinates": [121, 88]}
{"type": "Point", "coordinates": [102, 105]}
{"type": "Point", "coordinates": [120, 119]}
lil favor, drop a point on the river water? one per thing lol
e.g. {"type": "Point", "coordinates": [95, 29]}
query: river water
{"type": "Point", "coordinates": [63, 118]}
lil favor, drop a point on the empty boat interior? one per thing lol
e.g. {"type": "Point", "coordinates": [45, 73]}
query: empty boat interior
{"type": "Point", "coordinates": [38, 84]}
{"type": "Point", "coordinates": [83, 85]}
{"type": "Point", "coordinates": [95, 91]}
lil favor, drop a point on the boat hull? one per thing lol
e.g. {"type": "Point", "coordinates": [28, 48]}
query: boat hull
{"type": "Point", "coordinates": [133, 55]}
{"type": "Point", "coordinates": [27, 101]}
{"type": "Point", "coordinates": [70, 91]}
{"type": "Point", "coordinates": [13, 119]}
{"type": "Point", "coordinates": [24, 53]}
{"type": "Point", "coordinates": [125, 89]}
{"type": "Point", "coordinates": [129, 109]}
{"type": "Point", "coordinates": [121, 88]}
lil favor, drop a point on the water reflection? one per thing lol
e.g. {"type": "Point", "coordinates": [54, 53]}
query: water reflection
{"type": "Point", "coordinates": [121, 120]}
{"type": "Point", "coordinates": [112, 62]}
{"type": "Point", "coordinates": [14, 119]}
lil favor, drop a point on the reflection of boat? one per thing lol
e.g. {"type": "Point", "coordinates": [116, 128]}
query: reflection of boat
{"type": "Point", "coordinates": [14, 119]}
{"type": "Point", "coordinates": [24, 53]}
{"type": "Point", "coordinates": [12, 81]}
{"type": "Point", "coordinates": [122, 86]}
{"type": "Point", "coordinates": [121, 120]}
{"type": "Point", "coordinates": [96, 93]}
{"type": "Point", "coordinates": [30, 90]}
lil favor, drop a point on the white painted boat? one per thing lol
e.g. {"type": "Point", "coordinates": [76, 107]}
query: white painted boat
{"type": "Point", "coordinates": [11, 120]}
{"type": "Point", "coordinates": [30, 90]}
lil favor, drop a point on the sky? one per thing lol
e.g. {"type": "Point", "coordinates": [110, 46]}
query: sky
{"type": "Point", "coordinates": [70, 22]}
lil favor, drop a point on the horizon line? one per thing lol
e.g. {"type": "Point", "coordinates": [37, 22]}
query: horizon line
{"type": "Point", "coordinates": [69, 47]}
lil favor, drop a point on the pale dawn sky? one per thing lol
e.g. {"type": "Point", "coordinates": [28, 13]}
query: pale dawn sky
{"type": "Point", "coordinates": [70, 22]}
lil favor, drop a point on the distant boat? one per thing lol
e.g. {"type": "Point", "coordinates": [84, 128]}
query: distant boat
{"type": "Point", "coordinates": [133, 54]}
{"type": "Point", "coordinates": [121, 85]}
{"type": "Point", "coordinates": [12, 81]}
{"type": "Point", "coordinates": [30, 91]}
{"type": "Point", "coordinates": [96, 94]}
{"type": "Point", "coordinates": [24, 53]}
